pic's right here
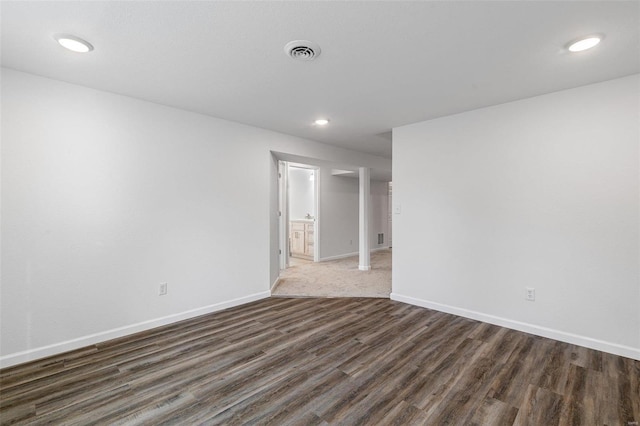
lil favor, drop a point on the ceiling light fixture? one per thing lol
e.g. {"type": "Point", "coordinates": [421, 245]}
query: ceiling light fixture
{"type": "Point", "coordinates": [73, 43]}
{"type": "Point", "coordinates": [584, 43]}
{"type": "Point", "coordinates": [321, 122]}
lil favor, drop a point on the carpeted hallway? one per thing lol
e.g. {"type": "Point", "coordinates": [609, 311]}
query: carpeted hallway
{"type": "Point", "coordinates": [337, 278]}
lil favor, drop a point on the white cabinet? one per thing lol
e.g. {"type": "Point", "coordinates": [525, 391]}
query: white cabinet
{"type": "Point", "coordinates": [308, 239]}
{"type": "Point", "coordinates": [301, 238]}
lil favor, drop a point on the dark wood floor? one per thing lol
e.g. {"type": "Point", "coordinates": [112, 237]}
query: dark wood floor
{"type": "Point", "coordinates": [319, 361]}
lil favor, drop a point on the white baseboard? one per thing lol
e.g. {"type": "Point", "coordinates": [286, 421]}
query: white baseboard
{"type": "Point", "coordinates": [550, 333]}
{"type": "Point", "coordinates": [339, 256]}
{"type": "Point", "coordinates": [69, 345]}
{"type": "Point", "coordinates": [355, 253]}
{"type": "Point", "coordinates": [380, 249]}
{"type": "Point", "coordinates": [273, 286]}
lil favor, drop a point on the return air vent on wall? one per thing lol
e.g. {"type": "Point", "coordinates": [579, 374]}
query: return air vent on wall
{"type": "Point", "coordinates": [302, 50]}
{"type": "Point", "coordinates": [380, 238]}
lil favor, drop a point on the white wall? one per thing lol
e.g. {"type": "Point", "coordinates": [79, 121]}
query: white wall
{"type": "Point", "coordinates": [104, 197]}
{"type": "Point", "coordinates": [301, 193]}
{"type": "Point", "coordinates": [339, 206]}
{"type": "Point", "coordinates": [379, 223]}
{"type": "Point", "coordinates": [541, 193]}
{"type": "Point", "coordinates": [338, 215]}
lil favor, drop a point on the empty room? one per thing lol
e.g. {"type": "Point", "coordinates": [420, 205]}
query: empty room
{"type": "Point", "coordinates": [145, 228]}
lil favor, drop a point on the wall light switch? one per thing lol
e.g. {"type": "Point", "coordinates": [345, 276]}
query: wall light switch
{"type": "Point", "coordinates": [397, 209]}
{"type": "Point", "coordinates": [531, 294]}
{"type": "Point", "coordinates": [163, 289]}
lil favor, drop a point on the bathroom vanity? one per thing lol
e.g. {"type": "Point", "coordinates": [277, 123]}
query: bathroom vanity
{"type": "Point", "coordinates": [301, 238]}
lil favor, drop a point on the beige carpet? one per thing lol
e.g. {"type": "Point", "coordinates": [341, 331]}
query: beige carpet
{"type": "Point", "coordinates": [337, 278]}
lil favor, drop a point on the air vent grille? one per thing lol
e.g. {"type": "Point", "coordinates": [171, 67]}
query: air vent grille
{"type": "Point", "coordinates": [302, 50]}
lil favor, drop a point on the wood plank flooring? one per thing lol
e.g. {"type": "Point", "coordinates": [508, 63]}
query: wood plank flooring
{"type": "Point", "coordinates": [325, 361]}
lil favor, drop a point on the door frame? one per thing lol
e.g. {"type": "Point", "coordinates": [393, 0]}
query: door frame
{"type": "Point", "coordinates": [316, 221]}
{"type": "Point", "coordinates": [283, 213]}
{"type": "Point", "coordinates": [283, 206]}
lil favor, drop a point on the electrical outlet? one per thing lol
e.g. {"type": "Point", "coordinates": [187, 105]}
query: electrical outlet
{"type": "Point", "coordinates": [531, 294]}
{"type": "Point", "coordinates": [163, 289]}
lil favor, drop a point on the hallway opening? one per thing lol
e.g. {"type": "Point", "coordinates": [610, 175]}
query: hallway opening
{"type": "Point", "coordinates": [320, 214]}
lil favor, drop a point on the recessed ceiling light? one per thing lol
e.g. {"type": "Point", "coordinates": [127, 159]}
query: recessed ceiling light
{"type": "Point", "coordinates": [321, 122]}
{"type": "Point", "coordinates": [584, 43]}
{"type": "Point", "coordinates": [73, 43]}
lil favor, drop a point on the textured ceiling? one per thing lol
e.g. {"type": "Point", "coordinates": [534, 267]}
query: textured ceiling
{"type": "Point", "coordinates": [383, 64]}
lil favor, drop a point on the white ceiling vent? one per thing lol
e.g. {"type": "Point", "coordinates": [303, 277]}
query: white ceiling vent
{"type": "Point", "coordinates": [302, 50]}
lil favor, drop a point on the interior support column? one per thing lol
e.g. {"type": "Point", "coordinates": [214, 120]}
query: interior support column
{"type": "Point", "coordinates": [365, 201]}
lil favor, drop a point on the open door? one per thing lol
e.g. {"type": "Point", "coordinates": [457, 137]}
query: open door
{"type": "Point", "coordinates": [283, 205]}
{"type": "Point", "coordinates": [302, 212]}
{"type": "Point", "coordinates": [316, 201]}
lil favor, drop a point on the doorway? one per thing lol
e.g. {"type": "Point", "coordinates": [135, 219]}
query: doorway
{"type": "Point", "coordinates": [299, 201]}
{"type": "Point", "coordinates": [318, 242]}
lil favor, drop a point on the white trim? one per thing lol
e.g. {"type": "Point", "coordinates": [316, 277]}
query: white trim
{"type": "Point", "coordinates": [364, 218]}
{"type": "Point", "coordinates": [273, 286]}
{"type": "Point", "coordinates": [316, 222]}
{"type": "Point", "coordinates": [355, 253]}
{"type": "Point", "coordinates": [80, 342]}
{"type": "Point", "coordinates": [283, 219]}
{"type": "Point", "coordinates": [380, 249]}
{"type": "Point", "coordinates": [339, 256]}
{"type": "Point", "coordinates": [550, 333]}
